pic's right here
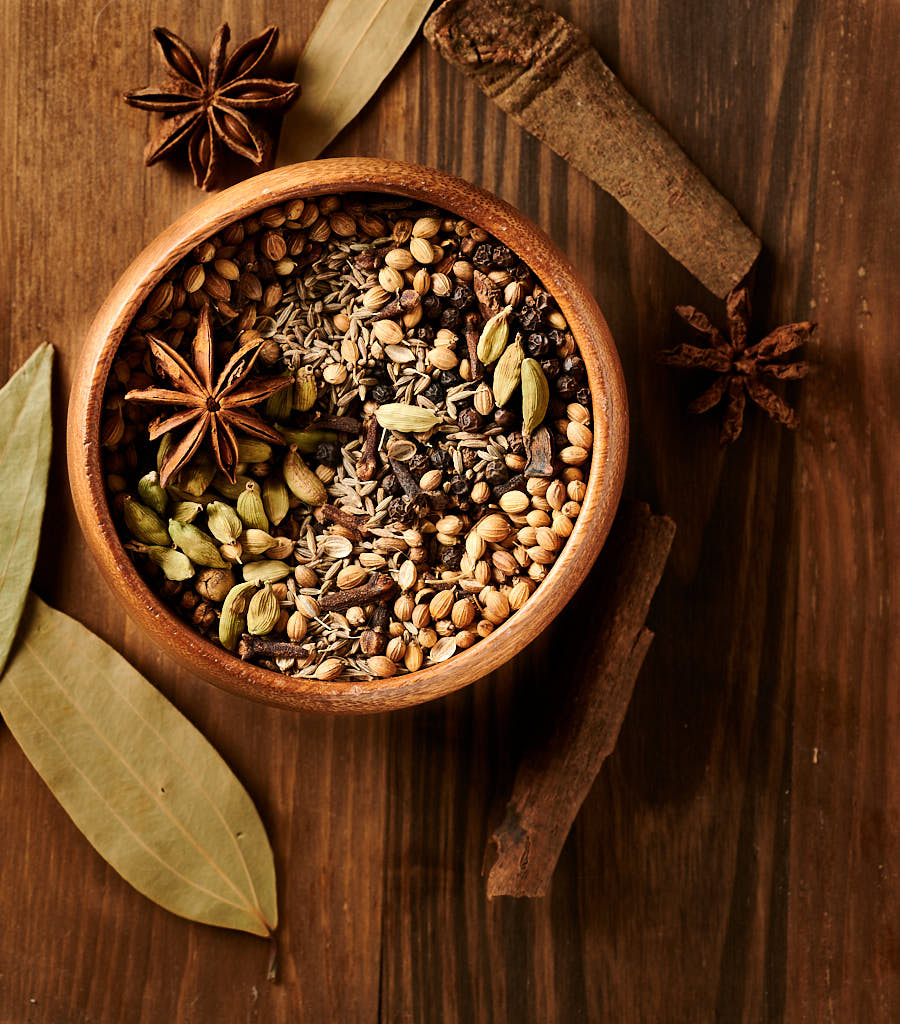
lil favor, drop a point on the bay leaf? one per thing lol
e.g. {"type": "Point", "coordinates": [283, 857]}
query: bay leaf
{"type": "Point", "coordinates": [147, 790]}
{"type": "Point", "coordinates": [353, 47]}
{"type": "Point", "coordinates": [25, 432]}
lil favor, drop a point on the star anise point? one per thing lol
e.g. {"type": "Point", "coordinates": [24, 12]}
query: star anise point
{"type": "Point", "coordinates": [212, 108]}
{"type": "Point", "coordinates": [207, 405]}
{"type": "Point", "coordinates": [741, 369]}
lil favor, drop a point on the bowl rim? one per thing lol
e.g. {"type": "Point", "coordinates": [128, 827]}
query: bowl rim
{"type": "Point", "coordinates": [324, 177]}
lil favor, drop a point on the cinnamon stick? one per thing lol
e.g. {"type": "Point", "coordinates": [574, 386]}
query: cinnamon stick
{"type": "Point", "coordinates": [542, 70]}
{"type": "Point", "coordinates": [557, 772]}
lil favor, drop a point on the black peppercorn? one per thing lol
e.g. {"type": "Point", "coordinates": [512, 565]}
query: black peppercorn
{"type": "Point", "coordinates": [496, 473]}
{"type": "Point", "coordinates": [418, 464]}
{"type": "Point", "coordinates": [449, 378]}
{"type": "Point", "coordinates": [469, 458]}
{"type": "Point", "coordinates": [516, 443]}
{"type": "Point", "coordinates": [482, 256]}
{"type": "Point", "coordinates": [391, 485]}
{"type": "Point", "coordinates": [451, 556]}
{"type": "Point", "coordinates": [451, 318]}
{"type": "Point", "coordinates": [566, 386]}
{"type": "Point", "coordinates": [440, 458]}
{"type": "Point", "coordinates": [434, 392]}
{"type": "Point", "coordinates": [328, 453]}
{"type": "Point", "coordinates": [583, 396]}
{"type": "Point", "coordinates": [398, 510]}
{"type": "Point", "coordinates": [530, 317]}
{"type": "Point", "coordinates": [503, 257]}
{"type": "Point", "coordinates": [574, 366]}
{"type": "Point", "coordinates": [459, 487]}
{"type": "Point", "coordinates": [431, 306]}
{"type": "Point", "coordinates": [504, 418]}
{"type": "Point", "coordinates": [462, 297]}
{"type": "Point", "coordinates": [383, 393]}
{"type": "Point", "coordinates": [537, 346]}
{"type": "Point", "coordinates": [424, 333]}
{"type": "Point", "coordinates": [550, 368]}
{"type": "Point", "coordinates": [469, 420]}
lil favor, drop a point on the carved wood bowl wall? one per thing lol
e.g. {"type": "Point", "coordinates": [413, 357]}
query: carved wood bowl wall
{"type": "Point", "coordinates": [321, 177]}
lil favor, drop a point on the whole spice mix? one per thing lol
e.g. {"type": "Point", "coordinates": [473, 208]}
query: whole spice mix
{"type": "Point", "coordinates": [390, 460]}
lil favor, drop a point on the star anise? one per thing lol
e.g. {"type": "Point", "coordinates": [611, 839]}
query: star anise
{"type": "Point", "coordinates": [741, 368]}
{"type": "Point", "coordinates": [216, 106]}
{"type": "Point", "coordinates": [208, 407]}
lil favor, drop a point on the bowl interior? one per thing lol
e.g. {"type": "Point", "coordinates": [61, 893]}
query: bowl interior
{"type": "Point", "coordinates": [324, 177]}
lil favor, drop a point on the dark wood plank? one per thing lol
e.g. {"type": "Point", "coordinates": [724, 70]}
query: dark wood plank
{"type": "Point", "coordinates": [736, 859]}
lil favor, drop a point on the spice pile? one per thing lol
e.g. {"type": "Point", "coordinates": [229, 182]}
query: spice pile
{"type": "Point", "coordinates": [373, 438]}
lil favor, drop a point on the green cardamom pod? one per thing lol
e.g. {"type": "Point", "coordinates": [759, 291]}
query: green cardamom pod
{"type": "Point", "coordinates": [494, 336]}
{"type": "Point", "coordinates": [186, 511]}
{"type": "Point", "coordinates": [197, 475]}
{"type": "Point", "coordinates": [269, 571]}
{"type": "Point", "coordinates": [279, 405]}
{"type": "Point", "coordinates": [250, 507]}
{"type": "Point", "coordinates": [535, 396]}
{"type": "Point", "coordinates": [508, 372]}
{"type": "Point", "coordinates": [175, 565]}
{"type": "Point", "coordinates": [151, 493]}
{"type": "Point", "coordinates": [263, 611]}
{"type": "Point", "coordinates": [234, 608]}
{"type": "Point", "coordinates": [196, 544]}
{"type": "Point", "coordinates": [226, 488]}
{"type": "Point", "coordinates": [406, 418]}
{"type": "Point", "coordinates": [275, 499]}
{"type": "Point", "coordinates": [301, 480]}
{"type": "Point", "coordinates": [144, 524]}
{"type": "Point", "coordinates": [256, 542]}
{"type": "Point", "coordinates": [305, 390]}
{"type": "Point", "coordinates": [306, 441]}
{"type": "Point", "coordinates": [251, 450]}
{"type": "Point", "coordinates": [224, 523]}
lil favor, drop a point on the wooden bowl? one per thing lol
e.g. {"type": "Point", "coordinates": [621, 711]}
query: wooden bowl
{"type": "Point", "coordinates": [322, 177]}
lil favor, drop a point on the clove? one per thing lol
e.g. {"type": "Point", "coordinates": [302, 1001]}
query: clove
{"type": "Point", "coordinates": [373, 639]}
{"type": "Point", "coordinates": [367, 463]}
{"type": "Point", "coordinates": [403, 303]}
{"type": "Point", "coordinates": [261, 647]}
{"type": "Point", "coordinates": [341, 424]}
{"type": "Point", "coordinates": [379, 588]}
{"type": "Point", "coordinates": [472, 335]}
{"type": "Point", "coordinates": [357, 525]}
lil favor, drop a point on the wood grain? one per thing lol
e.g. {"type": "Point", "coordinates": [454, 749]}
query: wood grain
{"type": "Point", "coordinates": [737, 858]}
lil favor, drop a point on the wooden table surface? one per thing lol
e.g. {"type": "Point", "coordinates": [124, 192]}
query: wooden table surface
{"type": "Point", "coordinates": [737, 859]}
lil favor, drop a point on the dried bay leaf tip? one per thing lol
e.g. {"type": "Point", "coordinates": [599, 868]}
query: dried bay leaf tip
{"type": "Point", "coordinates": [535, 396]}
{"type": "Point", "coordinates": [408, 419]}
{"type": "Point", "coordinates": [216, 106]}
{"type": "Point", "coordinates": [507, 373]}
{"type": "Point", "coordinates": [494, 336]}
{"type": "Point", "coordinates": [144, 524]}
{"type": "Point", "coordinates": [197, 545]}
{"type": "Point", "coordinates": [301, 480]}
{"type": "Point", "coordinates": [159, 804]}
{"type": "Point", "coordinates": [25, 414]}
